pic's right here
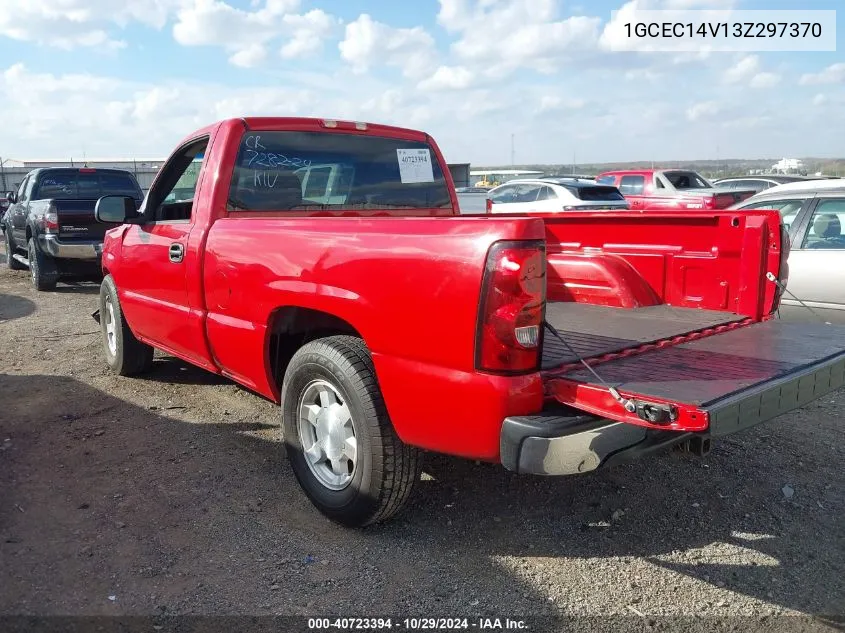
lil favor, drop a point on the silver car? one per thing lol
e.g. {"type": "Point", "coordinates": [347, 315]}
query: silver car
{"type": "Point", "coordinates": [814, 212]}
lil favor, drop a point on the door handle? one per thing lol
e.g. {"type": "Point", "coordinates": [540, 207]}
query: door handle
{"type": "Point", "coordinates": [176, 252]}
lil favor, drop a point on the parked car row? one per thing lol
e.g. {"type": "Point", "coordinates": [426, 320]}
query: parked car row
{"type": "Point", "coordinates": [325, 266]}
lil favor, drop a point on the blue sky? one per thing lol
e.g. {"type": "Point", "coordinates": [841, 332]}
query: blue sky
{"type": "Point", "coordinates": [128, 79]}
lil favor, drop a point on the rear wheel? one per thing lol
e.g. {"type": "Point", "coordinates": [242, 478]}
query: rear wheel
{"type": "Point", "coordinates": [125, 354]}
{"type": "Point", "coordinates": [41, 269]}
{"type": "Point", "coordinates": [340, 441]}
{"type": "Point", "coordinates": [11, 262]}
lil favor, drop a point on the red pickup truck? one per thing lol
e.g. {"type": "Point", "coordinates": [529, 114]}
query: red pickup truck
{"type": "Point", "coordinates": [671, 189]}
{"type": "Point", "coordinates": [323, 265]}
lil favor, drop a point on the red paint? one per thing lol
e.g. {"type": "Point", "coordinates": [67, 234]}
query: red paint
{"type": "Point", "coordinates": [410, 284]}
{"type": "Point", "coordinates": [715, 260]}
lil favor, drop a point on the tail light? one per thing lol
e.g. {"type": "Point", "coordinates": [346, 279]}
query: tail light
{"type": "Point", "coordinates": [489, 206]}
{"type": "Point", "coordinates": [512, 308]}
{"type": "Point", "coordinates": [50, 221]}
{"type": "Point", "coordinates": [710, 202]}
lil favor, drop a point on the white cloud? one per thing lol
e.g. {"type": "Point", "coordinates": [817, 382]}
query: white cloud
{"type": "Point", "coordinates": [247, 34]}
{"type": "Point", "coordinates": [503, 35]}
{"type": "Point", "coordinates": [706, 110]}
{"type": "Point", "coordinates": [369, 43]}
{"type": "Point", "coordinates": [819, 99]}
{"type": "Point", "coordinates": [448, 78]}
{"type": "Point", "coordinates": [765, 80]}
{"type": "Point", "coordinates": [551, 103]}
{"type": "Point", "coordinates": [747, 72]}
{"type": "Point", "coordinates": [113, 116]}
{"type": "Point", "coordinates": [743, 70]}
{"type": "Point", "coordinates": [308, 32]}
{"type": "Point", "coordinates": [833, 74]}
{"type": "Point", "coordinates": [70, 24]}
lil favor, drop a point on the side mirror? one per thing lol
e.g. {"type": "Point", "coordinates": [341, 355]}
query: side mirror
{"type": "Point", "coordinates": [12, 196]}
{"type": "Point", "coordinates": [115, 209]}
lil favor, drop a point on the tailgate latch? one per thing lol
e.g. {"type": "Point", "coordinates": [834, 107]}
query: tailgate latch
{"type": "Point", "coordinates": [656, 413]}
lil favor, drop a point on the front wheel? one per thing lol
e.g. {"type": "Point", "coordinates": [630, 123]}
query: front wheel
{"type": "Point", "coordinates": [125, 354]}
{"type": "Point", "coordinates": [340, 441]}
{"type": "Point", "coordinates": [11, 262]}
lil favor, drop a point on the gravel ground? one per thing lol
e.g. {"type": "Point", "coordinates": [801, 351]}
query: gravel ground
{"type": "Point", "coordinates": [171, 495]}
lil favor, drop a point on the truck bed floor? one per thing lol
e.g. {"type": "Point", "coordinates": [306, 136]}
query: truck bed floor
{"type": "Point", "coordinates": [593, 330]}
{"type": "Point", "coordinates": [704, 371]}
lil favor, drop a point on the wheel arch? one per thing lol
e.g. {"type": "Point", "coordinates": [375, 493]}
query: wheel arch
{"type": "Point", "coordinates": [290, 327]}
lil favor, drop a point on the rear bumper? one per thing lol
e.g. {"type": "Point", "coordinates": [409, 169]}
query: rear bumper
{"type": "Point", "coordinates": [77, 249]}
{"type": "Point", "coordinates": [562, 441]}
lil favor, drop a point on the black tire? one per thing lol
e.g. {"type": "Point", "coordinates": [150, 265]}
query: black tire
{"type": "Point", "coordinates": [385, 468]}
{"type": "Point", "coordinates": [42, 270]}
{"type": "Point", "coordinates": [130, 356]}
{"type": "Point", "coordinates": [11, 263]}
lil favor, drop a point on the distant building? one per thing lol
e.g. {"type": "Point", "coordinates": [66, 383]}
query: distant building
{"type": "Point", "coordinates": [787, 166]}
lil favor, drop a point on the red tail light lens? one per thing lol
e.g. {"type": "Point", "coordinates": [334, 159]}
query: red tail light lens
{"type": "Point", "coordinates": [489, 205]}
{"type": "Point", "coordinates": [513, 303]}
{"type": "Point", "coordinates": [50, 221]}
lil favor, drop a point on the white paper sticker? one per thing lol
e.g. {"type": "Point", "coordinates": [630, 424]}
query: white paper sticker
{"type": "Point", "coordinates": [415, 165]}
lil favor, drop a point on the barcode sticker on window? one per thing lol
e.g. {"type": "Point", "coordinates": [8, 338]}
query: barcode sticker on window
{"type": "Point", "coordinates": [414, 165]}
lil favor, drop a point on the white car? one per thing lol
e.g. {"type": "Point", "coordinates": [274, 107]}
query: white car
{"type": "Point", "coordinates": [814, 214]}
{"type": "Point", "coordinates": [549, 195]}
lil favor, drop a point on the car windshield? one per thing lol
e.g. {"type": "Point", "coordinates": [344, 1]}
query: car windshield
{"type": "Point", "coordinates": [687, 180]}
{"type": "Point", "coordinates": [326, 170]}
{"type": "Point", "coordinates": [91, 184]}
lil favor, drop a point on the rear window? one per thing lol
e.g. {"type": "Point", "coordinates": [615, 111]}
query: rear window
{"type": "Point", "coordinates": [686, 180]}
{"type": "Point", "coordinates": [73, 184]}
{"type": "Point", "coordinates": [326, 170]}
{"type": "Point", "coordinates": [596, 194]}
{"type": "Point", "coordinates": [632, 185]}
{"type": "Point", "coordinates": [606, 180]}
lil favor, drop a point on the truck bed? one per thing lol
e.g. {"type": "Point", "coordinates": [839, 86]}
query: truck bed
{"type": "Point", "coordinates": [711, 369]}
{"type": "Point", "coordinates": [593, 330]}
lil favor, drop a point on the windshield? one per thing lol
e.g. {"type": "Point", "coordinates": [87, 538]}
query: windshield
{"type": "Point", "coordinates": [687, 180]}
{"type": "Point", "coordinates": [326, 170]}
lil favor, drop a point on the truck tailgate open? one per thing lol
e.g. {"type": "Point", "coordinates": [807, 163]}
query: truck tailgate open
{"type": "Point", "coordinates": [719, 383]}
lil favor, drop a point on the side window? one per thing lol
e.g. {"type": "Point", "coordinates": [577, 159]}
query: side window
{"type": "Point", "coordinates": [825, 229]}
{"type": "Point", "coordinates": [527, 193]}
{"type": "Point", "coordinates": [316, 182]}
{"type": "Point", "coordinates": [632, 185]}
{"type": "Point", "coordinates": [30, 185]}
{"type": "Point", "coordinates": [546, 193]}
{"type": "Point", "coordinates": [504, 194]}
{"type": "Point", "coordinates": [22, 190]}
{"type": "Point", "coordinates": [788, 208]}
{"type": "Point", "coordinates": [171, 197]}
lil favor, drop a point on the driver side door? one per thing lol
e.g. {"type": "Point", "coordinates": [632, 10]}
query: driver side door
{"type": "Point", "coordinates": [154, 254]}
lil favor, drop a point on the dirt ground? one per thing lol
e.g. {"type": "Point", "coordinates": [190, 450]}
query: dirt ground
{"type": "Point", "coordinates": [171, 495]}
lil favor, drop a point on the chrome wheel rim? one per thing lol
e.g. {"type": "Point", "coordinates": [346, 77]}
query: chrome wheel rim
{"type": "Point", "coordinates": [327, 433]}
{"type": "Point", "coordinates": [111, 328]}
